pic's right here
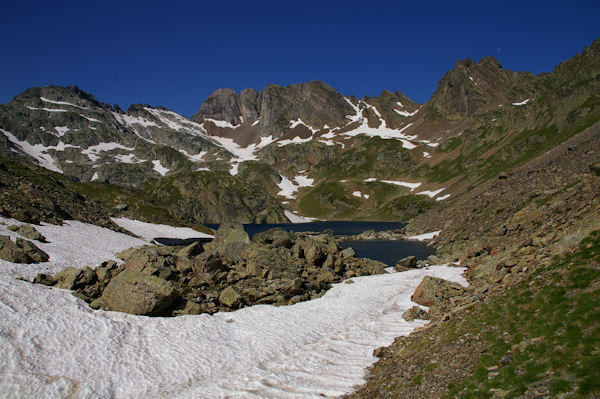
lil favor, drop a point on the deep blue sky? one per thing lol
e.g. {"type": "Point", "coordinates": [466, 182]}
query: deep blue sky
{"type": "Point", "coordinates": [175, 53]}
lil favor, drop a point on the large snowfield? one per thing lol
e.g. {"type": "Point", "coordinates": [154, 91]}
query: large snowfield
{"type": "Point", "coordinates": [55, 345]}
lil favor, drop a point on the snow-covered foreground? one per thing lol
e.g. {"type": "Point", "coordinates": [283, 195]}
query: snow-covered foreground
{"type": "Point", "coordinates": [54, 345]}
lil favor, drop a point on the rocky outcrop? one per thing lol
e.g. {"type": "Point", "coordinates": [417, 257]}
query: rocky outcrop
{"type": "Point", "coordinates": [21, 251]}
{"type": "Point", "coordinates": [32, 195]}
{"type": "Point", "coordinates": [215, 197]}
{"type": "Point", "coordinates": [276, 267]}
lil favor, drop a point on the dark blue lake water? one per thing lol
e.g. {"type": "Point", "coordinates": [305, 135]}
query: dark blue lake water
{"type": "Point", "coordinates": [386, 251]}
{"type": "Point", "coordinates": [339, 228]}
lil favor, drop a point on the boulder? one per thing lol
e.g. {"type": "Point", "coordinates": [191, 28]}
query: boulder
{"type": "Point", "coordinates": [208, 263]}
{"type": "Point", "coordinates": [230, 241]}
{"type": "Point", "coordinates": [27, 231]}
{"type": "Point", "coordinates": [33, 252]}
{"type": "Point", "coordinates": [190, 251]}
{"type": "Point", "coordinates": [325, 277]}
{"type": "Point", "coordinates": [9, 251]}
{"type": "Point", "coordinates": [73, 278]}
{"type": "Point", "coordinates": [276, 237]}
{"type": "Point", "coordinates": [436, 291]}
{"type": "Point", "coordinates": [409, 261]}
{"type": "Point", "coordinates": [148, 259]}
{"type": "Point", "coordinates": [229, 297]}
{"type": "Point", "coordinates": [314, 253]}
{"type": "Point", "coordinates": [137, 293]}
{"type": "Point", "coordinates": [44, 279]}
{"type": "Point", "coordinates": [22, 251]}
{"type": "Point", "coordinates": [261, 259]}
{"type": "Point", "coordinates": [347, 253]}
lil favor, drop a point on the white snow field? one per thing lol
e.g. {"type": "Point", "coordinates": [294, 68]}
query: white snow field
{"type": "Point", "coordinates": [425, 236]}
{"type": "Point", "coordinates": [55, 345]}
{"type": "Point", "coordinates": [150, 231]}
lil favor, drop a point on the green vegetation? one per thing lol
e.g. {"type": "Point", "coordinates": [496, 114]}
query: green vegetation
{"type": "Point", "coordinates": [369, 157]}
{"type": "Point", "coordinates": [402, 208]}
{"type": "Point", "coordinates": [544, 330]}
{"type": "Point", "coordinates": [329, 200]}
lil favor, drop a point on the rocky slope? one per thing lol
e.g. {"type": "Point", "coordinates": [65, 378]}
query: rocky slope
{"type": "Point", "coordinates": [529, 240]}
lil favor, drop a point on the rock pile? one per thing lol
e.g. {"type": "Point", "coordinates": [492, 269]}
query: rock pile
{"type": "Point", "coordinates": [275, 267]}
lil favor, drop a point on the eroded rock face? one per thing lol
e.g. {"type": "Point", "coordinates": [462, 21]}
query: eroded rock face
{"type": "Point", "coordinates": [315, 103]}
{"type": "Point", "coordinates": [21, 251]}
{"type": "Point", "coordinates": [137, 293]}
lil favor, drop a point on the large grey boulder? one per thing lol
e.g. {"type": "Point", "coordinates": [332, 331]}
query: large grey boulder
{"type": "Point", "coordinates": [409, 261]}
{"type": "Point", "coordinates": [230, 241]}
{"type": "Point", "coordinates": [137, 293]}
{"type": "Point", "coordinates": [436, 291]}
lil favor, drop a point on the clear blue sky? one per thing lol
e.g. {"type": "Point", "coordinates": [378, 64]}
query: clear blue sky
{"type": "Point", "coordinates": [175, 53]}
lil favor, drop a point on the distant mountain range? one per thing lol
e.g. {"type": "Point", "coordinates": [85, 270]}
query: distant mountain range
{"type": "Point", "coordinates": [303, 148]}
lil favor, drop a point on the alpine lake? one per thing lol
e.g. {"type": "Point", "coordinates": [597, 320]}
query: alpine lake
{"type": "Point", "coordinates": [386, 251]}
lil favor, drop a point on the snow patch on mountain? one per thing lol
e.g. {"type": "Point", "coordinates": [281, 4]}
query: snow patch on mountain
{"type": "Point", "coordinates": [89, 119]}
{"type": "Point", "coordinates": [425, 236]}
{"type": "Point", "coordinates": [222, 124]}
{"type": "Point", "coordinates": [61, 130]}
{"type": "Point", "coordinates": [93, 151]}
{"type": "Point", "coordinates": [295, 140]}
{"type": "Point", "coordinates": [158, 167]}
{"type": "Point", "coordinates": [299, 121]}
{"type": "Point", "coordinates": [60, 103]}
{"type": "Point", "coordinates": [382, 130]}
{"type": "Point", "coordinates": [431, 194]}
{"type": "Point", "coordinates": [297, 218]}
{"type": "Point", "coordinates": [38, 151]}
{"type": "Point", "coordinates": [47, 109]}
{"type": "Point", "coordinates": [521, 103]}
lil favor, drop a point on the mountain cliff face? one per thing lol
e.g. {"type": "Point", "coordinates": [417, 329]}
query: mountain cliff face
{"type": "Point", "coordinates": [315, 103]}
{"type": "Point", "coordinates": [310, 148]}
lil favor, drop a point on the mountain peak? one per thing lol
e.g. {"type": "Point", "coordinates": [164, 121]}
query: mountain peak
{"type": "Point", "coordinates": [471, 86]}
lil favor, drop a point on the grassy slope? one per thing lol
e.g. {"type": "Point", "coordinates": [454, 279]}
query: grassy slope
{"type": "Point", "coordinates": [549, 327]}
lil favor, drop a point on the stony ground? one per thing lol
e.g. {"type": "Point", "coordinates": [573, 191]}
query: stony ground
{"type": "Point", "coordinates": [518, 236]}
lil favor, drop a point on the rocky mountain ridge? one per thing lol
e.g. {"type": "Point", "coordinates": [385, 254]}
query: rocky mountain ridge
{"type": "Point", "coordinates": [312, 149]}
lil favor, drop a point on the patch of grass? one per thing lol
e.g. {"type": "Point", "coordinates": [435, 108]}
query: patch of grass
{"type": "Point", "coordinates": [552, 323]}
